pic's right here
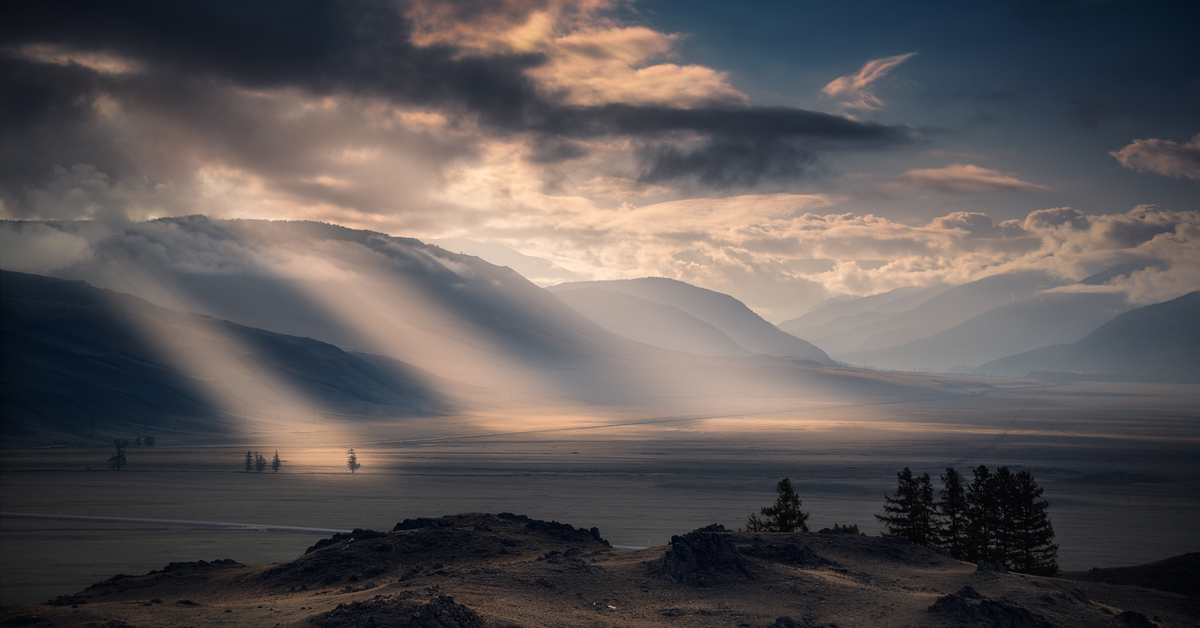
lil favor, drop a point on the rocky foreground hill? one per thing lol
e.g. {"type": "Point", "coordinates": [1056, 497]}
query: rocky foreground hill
{"type": "Point", "coordinates": [494, 571]}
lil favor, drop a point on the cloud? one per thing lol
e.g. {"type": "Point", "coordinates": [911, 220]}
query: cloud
{"type": "Point", "coordinates": [854, 91]}
{"type": "Point", "coordinates": [1162, 157]}
{"type": "Point", "coordinates": [963, 179]}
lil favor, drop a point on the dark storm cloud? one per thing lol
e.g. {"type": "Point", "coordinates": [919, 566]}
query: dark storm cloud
{"type": "Point", "coordinates": [188, 51]}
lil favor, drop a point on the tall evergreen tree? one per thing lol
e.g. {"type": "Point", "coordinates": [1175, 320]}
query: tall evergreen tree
{"type": "Point", "coordinates": [910, 512]}
{"type": "Point", "coordinates": [352, 461]}
{"type": "Point", "coordinates": [952, 509]}
{"type": "Point", "coordinates": [260, 463]}
{"type": "Point", "coordinates": [276, 462]}
{"type": "Point", "coordinates": [1004, 491]}
{"type": "Point", "coordinates": [784, 516]}
{"type": "Point", "coordinates": [249, 461]}
{"type": "Point", "coordinates": [1031, 548]}
{"type": "Point", "coordinates": [981, 516]}
{"type": "Point", "coordinates": [117, 460]}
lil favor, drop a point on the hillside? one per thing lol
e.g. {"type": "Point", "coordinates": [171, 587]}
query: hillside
{"type": "Point", "coordinates": [81, 361]}
{"type": "Point", "coordinates": [655, 324]}
{"type": "Point", "coordinates": [488, 571]}
{"type": "Point", "coordinates": [1158, 342]}
{"type": "Point", "coordinates": [722, 311]}
{"type": "Point", "coordinates": [1043, 320]}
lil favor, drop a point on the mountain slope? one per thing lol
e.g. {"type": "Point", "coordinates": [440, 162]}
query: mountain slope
{"type": "Point", "coordinates": [824, 319]}
{"type": "Point", "coordinates": [722, 311]}
{"type": "Point", "coordinates": [1155, 343]}
{"type": "Point", "coordinates": [81, 361]}
{"type": "Point", "coordinates": [655, 324]}
{"type": "Point", "coordinates": [949, 308]}
{"type": "Point", "coordinates": [1040, 321]}
{"type": "Point", "coordinates": [540, 271]}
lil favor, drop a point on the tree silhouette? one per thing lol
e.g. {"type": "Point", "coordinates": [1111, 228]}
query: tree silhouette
{"type": "Point", "coordinates": [1031, 549]}
{"type": "Point", "coordinates": [910, 512]}
{"type": "Point", "coordinates": [260, 463]}
{"type": "Point", "coordinates": [952, 508]}
{"type": "Point", "coordinates": [982, 512]}
{"type": "Point", "coordinates": [149, 441]}
{"type": "Point", "coordinates": [117, 460]}
{"type": "Point", "coordinates": [352, 461]}
{"type": "Point", "coordinates": [784, 516]}
{"type": "Point", "coordinates": [249, 461]}
{"type": "Point", "coordinates": [276, 462]}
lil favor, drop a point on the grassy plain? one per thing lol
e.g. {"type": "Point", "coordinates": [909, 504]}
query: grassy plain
{"type": "Point", "coordinates": [1120, 464]}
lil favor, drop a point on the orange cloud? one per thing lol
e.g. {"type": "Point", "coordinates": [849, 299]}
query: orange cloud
{"type": "Point", "coordinates": [1162, 157]}
{"type": "Point", "coordinates": [963, 179]}
{"type": "Point", "coordinates": [855, 90]}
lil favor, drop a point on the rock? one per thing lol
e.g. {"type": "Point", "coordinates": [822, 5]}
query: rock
{"type": "Point", "coordinates": [967, 604]}
{"type": "Point", "coordinates": [993, 567]}
{"type": "Point", "coordinates": [1134, 619]}
{"type": "Point", "coordinates": [704, 558]}
{"type": "Point", "coordinates": [789, 554]}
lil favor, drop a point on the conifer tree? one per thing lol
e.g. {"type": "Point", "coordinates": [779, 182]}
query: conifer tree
{"type": "Point", "coordinates": [784, 516]}
{"type": "Point", "coordinates": [276, 462]}
{"type": "Point", "coordinates": [1031, 548]}
{"type": "Point", "coordinates": [117, 460]}
{"type": "Point", "coordinates": [952, 508]}
{"type": "Point", "coordinates": [982, 508]}
{"type": "Point", "coordinates": [910, 512]}
{"type": "Point", "coordinates": [1004, 491]}
{"type": "Point", "coordinates": [249, 461]}
{"type": "Point", "coordinates": [260, 463]}
{"type": "Point", "coordinates": [352, 461]}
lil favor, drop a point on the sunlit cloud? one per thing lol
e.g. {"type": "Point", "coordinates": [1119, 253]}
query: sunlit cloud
{"type": "Point", "coordinates": [962, 179]}
{"type": "Point", "coordinates": [1164, 157]}
{"type": "Point", "coordinates": [855, 90]}
{"type": "Point", "coordinates": [98, 61]}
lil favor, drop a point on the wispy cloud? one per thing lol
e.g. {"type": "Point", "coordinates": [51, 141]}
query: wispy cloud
{"type": "Point", "coordinates": [962, 179]}
{"type": "Point", "coordinates": [1163, 157]}
{"type": "Point", "coordinates": [855, 91]}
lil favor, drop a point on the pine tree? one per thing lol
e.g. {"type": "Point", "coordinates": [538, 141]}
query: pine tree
{"type": "Point", "coordinates": [952, 508]}
{"type": "Point", "coordinates": [276, 462]}
{"type": "Point", "coordinates": [982, 508]}
{"type": "Point", "coordinates": [260, 463]}
{"type": "Point", "coordinates": [249, 461]}
{"type": "Point", "coordinates": [1004, 491]}
{"type": "Point", "coordinates": [117, 460]}
{"type": "Point", "coordinates": [784, 516]}
{"type": "Point", "coordinates": [1031, 550]}
{"type": "Point", "coordinates": [910, 512]}
{"type": "Point", "coordinates": [352, 461]}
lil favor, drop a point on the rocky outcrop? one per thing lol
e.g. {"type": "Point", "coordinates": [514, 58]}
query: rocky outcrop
{"type": "Point", "coordinates": [704, 558]}
{"type": "Point", "coordinates": [967, 604]}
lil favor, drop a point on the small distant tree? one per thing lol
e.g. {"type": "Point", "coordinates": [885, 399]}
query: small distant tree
{"type": "Point", "coordinates": [784, 516]}
{"type": "Point", "coordinates": [249, 461]}
{"type": "Point", "coordinates": [137, 442]}
{"type": "Point", "coordinates": [952, 508]}
{"type": "Point", "coordinates": [260, 463]}
{"type": "Point", "coordinates": [850, 528]}
{"type": "Point", "coordinates": [117, 460]}
{"type": "Point", "coordinates": [276, 462]}
{"type": "Point", "coordinates": [352, 461]}
{"type": "Point", "coordinates": [910, 512]}
{"type": "Point", "coordinates": [148, 441]}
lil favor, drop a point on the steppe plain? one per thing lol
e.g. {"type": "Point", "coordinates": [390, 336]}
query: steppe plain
{"type": "Point", "coordinates": [1120, 464]}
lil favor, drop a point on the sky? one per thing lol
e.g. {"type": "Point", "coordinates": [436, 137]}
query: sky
{"type": "Point", "coordinates": [781, 152]}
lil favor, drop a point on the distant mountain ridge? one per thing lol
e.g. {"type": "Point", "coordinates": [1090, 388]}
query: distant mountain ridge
{"type": "Point", "coordinates": [1158, 342]}
{"type": "Point", "coordinates": [723, 312]}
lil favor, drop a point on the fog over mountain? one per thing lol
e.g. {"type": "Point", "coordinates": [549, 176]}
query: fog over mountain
{"type": "Point", "coordinates": [722, 311]}
{"type": "Point", "coordinates": [1158, 342]}
{"type": "Point", "coordinates": [82, 361]}
{"type": "Point", "coordinates": [1045, 319]}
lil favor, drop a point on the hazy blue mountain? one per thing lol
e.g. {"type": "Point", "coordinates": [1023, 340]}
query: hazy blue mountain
{"type": "Point", "coordinates": [850, 312]}
{"type": "Point", "coordinates": [1043, 320]}
{"type": "Point", "coordinates": [1154, 343]}
{"type": "Point", "coordinates": [727, 314]}
{"type": "Point", "coordinates": [79, 360]}
{"type": "Point", "coordinates": [540, 271]}
{"type": "Point", "coordinates": [942, 311]}
{"type": "Point", "coordinates": [655, 324]}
